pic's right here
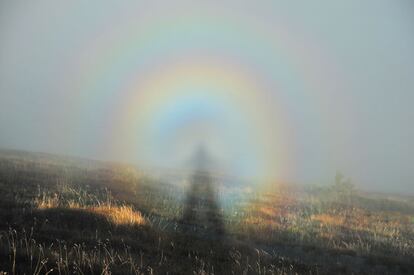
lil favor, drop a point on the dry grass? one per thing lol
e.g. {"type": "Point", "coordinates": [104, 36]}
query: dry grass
{"type": "Point", "coordinates": [117, 214]}
{"type": "Point", "coordinates": [338, 234]}
{"type": "Point", "coordinates": [47, 201]}
{"type": "Point", "coordinates": [120, 215]}
{"type": "Point", "coordinates": [270, 212]}
{"type": "Point", "coordinates": [304, 220]}
{"type": "Point", "coordinates": [327, 219]}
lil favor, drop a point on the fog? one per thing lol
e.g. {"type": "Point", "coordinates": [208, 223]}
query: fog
{"type": "Point", "coordinates": [287, 92]}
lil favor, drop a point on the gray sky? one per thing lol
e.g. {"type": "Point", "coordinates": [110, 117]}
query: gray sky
{"type": "Point", "coordinates": [343, 70]}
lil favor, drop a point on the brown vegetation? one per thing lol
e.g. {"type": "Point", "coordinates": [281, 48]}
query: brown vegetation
{"type": "Point", "coordinates": [61, 216]}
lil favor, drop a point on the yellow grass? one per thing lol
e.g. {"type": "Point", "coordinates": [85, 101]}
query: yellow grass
{"type": "Point", "coordinates": [269, 211]}
{"type": "Point", "coordinates": [117, 214]}
{"type": "Point", "coordinates": [329, 219]}
{"type": "Point", "coordinates": [47, 202]}
{"type": "Point", "coordinates": [123, 214]}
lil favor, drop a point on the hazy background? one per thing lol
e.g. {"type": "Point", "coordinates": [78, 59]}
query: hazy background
{"type": "Point", "coordinates": [367, 109]}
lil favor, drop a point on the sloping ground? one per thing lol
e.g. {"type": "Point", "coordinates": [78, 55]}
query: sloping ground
{"type": "Point", "coordinates": [65, 216]}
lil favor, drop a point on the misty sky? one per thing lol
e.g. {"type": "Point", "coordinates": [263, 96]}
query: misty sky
{"type": "Point", "coordinates": [367, 85]}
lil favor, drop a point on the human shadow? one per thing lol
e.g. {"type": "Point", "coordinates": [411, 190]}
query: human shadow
{"type": "Point", "coordinates": [202, 214]}
{"type": "Point", "coordinates": [201, 237]}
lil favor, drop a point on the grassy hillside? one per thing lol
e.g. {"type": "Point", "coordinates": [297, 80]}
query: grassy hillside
{"type": "Point", "coordinates": [60, 215]}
